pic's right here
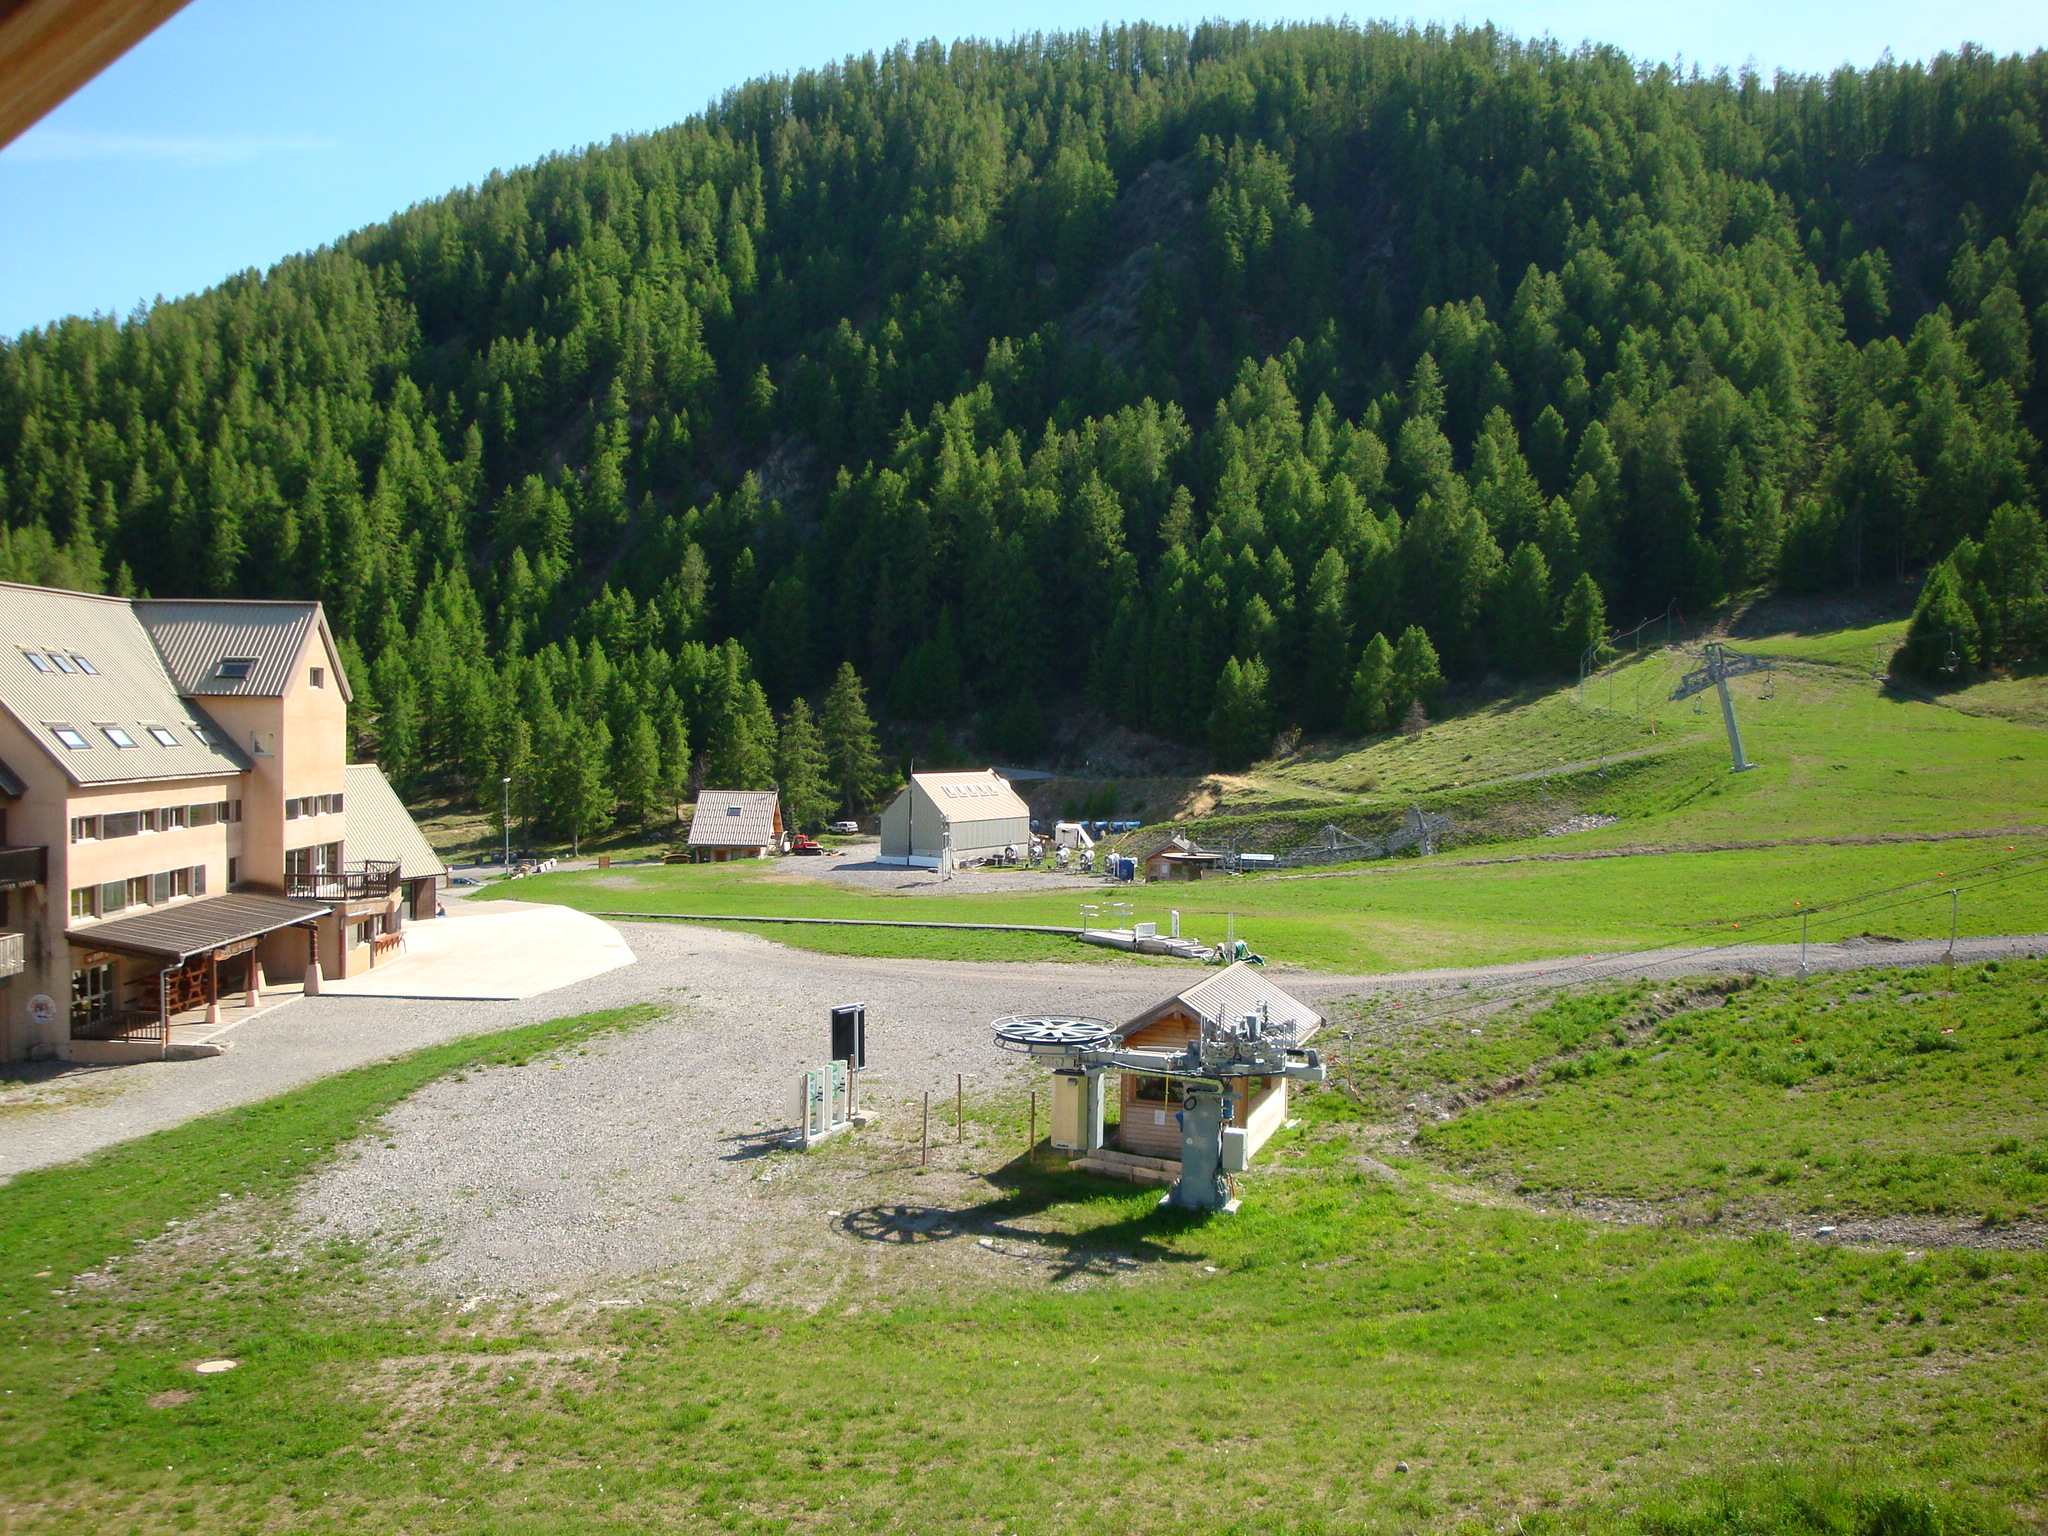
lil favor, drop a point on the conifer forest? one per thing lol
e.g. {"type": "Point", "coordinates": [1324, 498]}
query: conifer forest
{"type": "Point", "coordinates": [1217, 381]}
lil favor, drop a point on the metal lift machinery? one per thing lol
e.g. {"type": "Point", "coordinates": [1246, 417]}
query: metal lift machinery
{"type": "Point", "coordinates": [1212, 1070]}
{"type": "Point", "coordinates": [1722, 664]}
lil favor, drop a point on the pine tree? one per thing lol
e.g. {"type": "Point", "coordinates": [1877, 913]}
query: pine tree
{"type": "Point", "coordinates": [675, 764]}
{"type": "Point", "coordinates": [1417, 676]}
{"type": "Point", "coordinates": [636, 769]}
{"type": "Point", "coordinates": [1582, 629]}
{"type": "Point", "coordinates": [1523, 637]}
{"type": "Point", "coordinates": [1942, 644]}
{"type": "Point", "coordinates": [849, 736]}
{"type": "Point", "coordinates": [586, 798]}
{"type": "Point", "coordinates": [1241, 719]}
{"type": "Point", "coordinates": [801, 769]}
{"type": "Point", "coordinates": [739, 731]}
{"type": "Point", "coordinates": [1366, 713]}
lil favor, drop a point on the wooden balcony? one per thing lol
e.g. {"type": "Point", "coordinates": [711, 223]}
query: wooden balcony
{"type": "Point", "coordinates": [13, 953]}
{"type": "Point", "coordinates": [365, 880]}
{"type": "Point", "coordinates": [23, 866]}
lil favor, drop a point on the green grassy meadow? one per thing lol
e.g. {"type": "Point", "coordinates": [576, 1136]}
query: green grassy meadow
{"type": "Point", "coordinates": [1408, 913]}
{"type": "Point", "coordinates": [1272, 1372]}
{"type": "Point", "coordinates": [1858, 1095]}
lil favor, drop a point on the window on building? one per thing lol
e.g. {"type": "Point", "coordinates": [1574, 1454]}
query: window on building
{"type": "Point", "coordinates": [234, 873]}
{"type": "Point", "coordinates": [117, 735]}
{"type": "Point", "coordinates": [162, 887]}
{"type": "Point", "coordinates": [201, 815]}
{"type": "Point", "coordinates": [85, 829]}
{"type": "Point", "coordinates": [294, 809]}
{"type": "Point", "coordinates": [121, 824]}
{"type": "Point", "coordinates": [198, 884]}
{"type": "Point", "coordinates": [161, 735]}
{"type": "Point", "coordinates": [39, 661]}
{"type": "Point", "coordinates": [113, 897]}
{"type": "Point", "coordinates": [1147, 1089]}
{"type": "Point", "coordinates": [263, 743]}
{"type": "Point", "coordinates": [85, 901]}
{"type": "Point", "coordinates": [234, 668]}
{"type": "Point", "coordinates": [83, 665]}
{"type": "Point", "coordinates": [138, 890]}
{"type": "Point", "coordinates": [334, 804]}
{"type": "Point", "coordinates": [317, 677]}
{"type": "Point", "coordinates": [70, 737]}
{"type": "Point", "coordinates": [62, 661]}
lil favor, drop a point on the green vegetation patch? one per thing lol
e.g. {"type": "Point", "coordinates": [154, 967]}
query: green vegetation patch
{"type": "Point", "coordinates": [1870, 1094]}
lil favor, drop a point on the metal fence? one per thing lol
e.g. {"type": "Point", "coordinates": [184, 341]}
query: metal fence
{"type": "Point", "coordinates": [1419, 829]}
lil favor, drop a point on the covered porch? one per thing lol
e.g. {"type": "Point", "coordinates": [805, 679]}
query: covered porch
{"type": "Point", "coordinates": [177, 975]}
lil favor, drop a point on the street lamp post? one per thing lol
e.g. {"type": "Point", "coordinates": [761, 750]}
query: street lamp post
{"type": "Point", "coordinates": [505, 822]}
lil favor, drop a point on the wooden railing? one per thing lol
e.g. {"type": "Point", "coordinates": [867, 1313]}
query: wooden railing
{"type": "Point", "coordinates": [364, 881]}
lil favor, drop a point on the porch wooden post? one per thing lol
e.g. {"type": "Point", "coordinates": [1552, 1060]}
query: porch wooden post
{"type": "Point", "coordinates": [213, 988]}
{"type": "Point", "coordinates": [163, 1012]}
{"type": "Point", "coordinates": [313, 961]}
{"type": "Point", "coordinates": [253, 986]}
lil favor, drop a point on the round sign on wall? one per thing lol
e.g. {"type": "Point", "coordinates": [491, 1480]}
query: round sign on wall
{"type": "Point", "coordinates": [42, 1009]}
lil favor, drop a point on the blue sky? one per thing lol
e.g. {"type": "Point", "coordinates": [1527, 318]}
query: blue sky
{"type": "Point", "coordinates": [244, 131]}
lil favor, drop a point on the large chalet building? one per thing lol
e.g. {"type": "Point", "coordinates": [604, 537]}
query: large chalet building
{"type": "Point", "coordinates": [176, 809]}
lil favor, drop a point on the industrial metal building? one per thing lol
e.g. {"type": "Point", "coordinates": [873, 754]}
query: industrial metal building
{"type": "Point", "coordinates": [956, 817]}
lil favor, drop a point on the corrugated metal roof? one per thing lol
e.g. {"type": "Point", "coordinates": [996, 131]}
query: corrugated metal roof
{"type": "Point", "coordinates": [734, 818]}
{"type": "Point", "coordinates": [10, 782]}
{"type": "Point", "coordinates": [1232, 993]}
{"type": "Point", "coordinates": [197, 635]}
{"type": "Point", "coordinates": [380, 827]}
{"type": "Point", "coordinates": [966, 797]}
{"type": "Point", "coordinates": [177, 933]}
{"type": "Point", "coordinates": [128, 688]}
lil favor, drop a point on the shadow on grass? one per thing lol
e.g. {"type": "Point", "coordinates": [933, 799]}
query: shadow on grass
{"type": "Point", "coordinates": [999, 1224]}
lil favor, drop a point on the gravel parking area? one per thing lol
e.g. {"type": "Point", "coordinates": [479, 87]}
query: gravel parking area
{"type": "Point", "coordinates": [659, 1151]}
{"type": "Point", "coordinates": [857, 866]}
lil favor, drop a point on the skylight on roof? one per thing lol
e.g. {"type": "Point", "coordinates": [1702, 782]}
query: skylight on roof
{"type": "Point", "coordinates": [70, 738]}
{"type": "Point", "coordinates": [234, 668]}
{"type": "Point", "coordinates": [39, 661]}
{"type": "Point", "coordinates": [63, 662]}
{"type": "Point", "coordinates": [117, 735]}
{"type": "Point", "coordinates": [85, 666]}
{"type": "Point", "coordinates": [161, 735]}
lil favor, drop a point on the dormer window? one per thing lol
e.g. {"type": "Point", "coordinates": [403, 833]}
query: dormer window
{"type": "Point", "coordinates": [233, 669]}
{"type": "Point", "coordinates": [63, 662]}
{"type": "Point", "coordinates": [116, 735]}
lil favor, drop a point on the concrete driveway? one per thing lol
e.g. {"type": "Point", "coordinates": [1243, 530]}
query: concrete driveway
{"type": "Point", "coordinates": [494, 951]}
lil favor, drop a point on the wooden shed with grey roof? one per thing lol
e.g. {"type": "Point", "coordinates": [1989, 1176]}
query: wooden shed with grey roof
{"type": "Point", "coordinates": [1147, 1124]}
{"type": "Point", "coordinates": [735, 824]}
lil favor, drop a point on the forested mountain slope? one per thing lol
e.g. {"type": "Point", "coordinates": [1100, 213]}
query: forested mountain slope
{"type": "Point", "coordinates": [1163, 367]}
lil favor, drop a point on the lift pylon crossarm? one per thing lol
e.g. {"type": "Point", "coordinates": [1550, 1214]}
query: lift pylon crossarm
{"type": "Point", "coordinates": [1721, 665]}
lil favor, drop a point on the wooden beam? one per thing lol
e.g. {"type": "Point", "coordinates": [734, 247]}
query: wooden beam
{"type": "Point", "coordinates": [49, 48]}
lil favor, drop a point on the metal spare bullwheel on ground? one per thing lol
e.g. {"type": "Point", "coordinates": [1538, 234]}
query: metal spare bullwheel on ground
{"type": "Point", "coordinates": [1210, 1068]}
